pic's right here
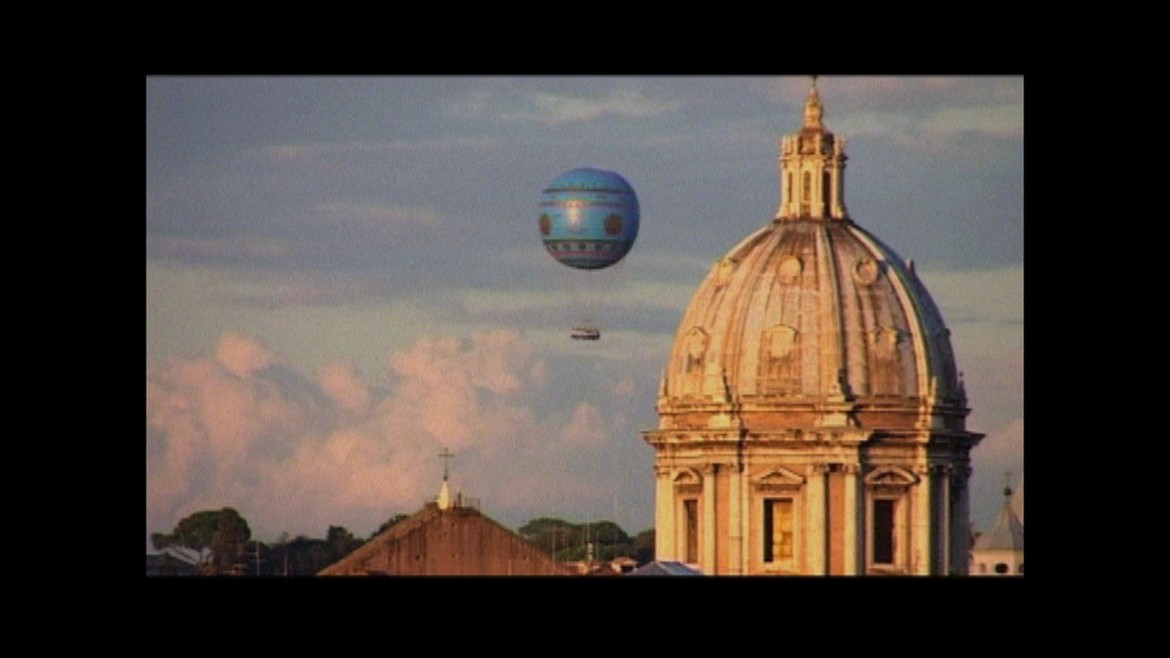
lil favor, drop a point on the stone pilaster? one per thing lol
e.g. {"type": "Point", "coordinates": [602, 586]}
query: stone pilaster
{"type": "Point", "coordinates": [735, 525]}
{"type": "Point", "coordinates": [818, 526]}
{"type": "Point", "coordinates": [920, 544]}
{"type": "Point", "coordinates": [708, 526]}
{"type": "Point", "coordinates": [854, 547]}
{"type": "Point", "coordinates": [664, 505]}
{"type": "Point", "coordinates": [944, 537]}
{"type": "Point", "coordinates": [960, 527]}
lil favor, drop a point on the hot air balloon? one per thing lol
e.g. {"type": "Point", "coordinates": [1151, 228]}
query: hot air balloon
{"type": "Point", "coordinates": [588, 221]}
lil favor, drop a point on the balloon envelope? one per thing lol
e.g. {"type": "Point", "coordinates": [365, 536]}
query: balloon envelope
{"type": "Point", "coordinates": [588, 218]}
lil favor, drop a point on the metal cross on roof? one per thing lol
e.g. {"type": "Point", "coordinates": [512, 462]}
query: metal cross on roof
{"type": "Point", "coordinates": [446, 456]}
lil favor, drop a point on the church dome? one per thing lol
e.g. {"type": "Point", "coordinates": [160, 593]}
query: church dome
{"type": "Point", "coordinates": [811, 320]}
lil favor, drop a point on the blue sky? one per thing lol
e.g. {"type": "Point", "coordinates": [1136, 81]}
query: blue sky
{"type": "Point", "coordinates": [344, 276]}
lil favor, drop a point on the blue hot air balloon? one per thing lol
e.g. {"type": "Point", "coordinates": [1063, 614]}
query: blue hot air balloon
{"type": "Point", "coordinates": [588, 218]}
{"type": "Point", "coordinates": [588, 221]}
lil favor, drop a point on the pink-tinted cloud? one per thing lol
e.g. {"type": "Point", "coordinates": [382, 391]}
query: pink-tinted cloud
{"type": "Point", "coordinates": [585, 429]}
{"type": "Point", "coordinates": [1002, 449]}
{"type": "Point", "coordinates": [1000, 452]}
{"type": "Point", "coordinates": [297, 455]}
{"type": "Point", "coordinates": [343, 384]}
{"type": "Point", "coordinates": [243, 355]}
{"type": "Point", "coordinates": [623, 387]}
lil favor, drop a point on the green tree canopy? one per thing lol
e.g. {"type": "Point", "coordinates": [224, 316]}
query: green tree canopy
{"type": "Point", "coordinates": [216, 536]}
{"type": "Point", "coordinates": [567, 541]}
{"type": "Point", "coordinates": [644, 546]}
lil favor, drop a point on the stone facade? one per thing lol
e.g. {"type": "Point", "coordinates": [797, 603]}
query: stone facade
{"type": "Point", "coordinates": [811, 419]}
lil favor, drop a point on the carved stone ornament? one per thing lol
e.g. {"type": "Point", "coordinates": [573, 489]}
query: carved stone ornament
{"type": "Point", "coordinates": [885, 342]}
{"type": "Point", "coordinates": [789, 270]}
{"type": "Point", "coordinates": [890, 480]}
{"type": "Point", "coordinates": [696, 347]}
{"type": "Point", "coordinates": [726, 269]}
{"type": "Point", "coordinates": [777, 480]}
{"type": "Point", "coordinates": [780, 339]}
{"type": "Point", "coordinates": [688, 481]}
{"type": "Point", "coordinates": [866, 271]}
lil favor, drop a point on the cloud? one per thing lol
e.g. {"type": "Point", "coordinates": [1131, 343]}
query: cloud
{"type": "Point", "coordinates": [236, 248]}
{"type": "Point", "coordinates": [585, 428]}
{"type": "Point", "coordinates": [623, 387]}
{"type": "Point", "coordinates": [235, 427]}
{"type": "Point", "coordinates": [556, 108]}
{"type": "Point", "coordinates": [930, 129]}
{"type": "Point", "coordinates": [381, 214]}
{"type": "Point", "coordinates": [1004, 447]}
{"type": "Point", "coordinates": [995, 120]}
{"type": "Point", "coordinates": [916, 112]}
{"type": "Point", "coordinates": [243, 355]}
{"type": "Point", "coordinates": [300, 152]}
{"type": "Point", "coordinates": [1000, 452]}
{"type": "Point", "coordinates": [343, 384]}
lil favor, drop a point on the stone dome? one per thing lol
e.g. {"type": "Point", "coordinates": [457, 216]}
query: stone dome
{"type": "Point", "coordinates": [811, 420]}
{"type": "Point", "coordinates": [808, 311]}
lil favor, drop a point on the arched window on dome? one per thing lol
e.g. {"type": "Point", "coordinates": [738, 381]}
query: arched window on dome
{"type": "Point", "coordinates": [1001, 568]}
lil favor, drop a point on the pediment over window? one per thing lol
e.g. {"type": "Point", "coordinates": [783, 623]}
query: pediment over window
{"type": "Point", "coordinates": [778, 479]}
{"type": "Point", "coordinates": [890, 476]}
{"type": "Point", "coordinates": [688, 480]}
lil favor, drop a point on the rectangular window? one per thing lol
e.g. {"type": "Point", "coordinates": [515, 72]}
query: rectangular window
{"type": "Point", "coordinates": [691, 510]}
{"type": "Point", "coordinates": [777, 530]}
{"type": "Point", "coordinates": [883, 531]}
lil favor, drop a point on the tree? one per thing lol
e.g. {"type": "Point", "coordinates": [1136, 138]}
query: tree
{"type": "Point", "coordinates": [341, 542]}
{"type": "Point", "coordinates": [567, 541]}
{"type": "Point", "coordinates": [644, 546]}
{"type": "Point", "coordinates": [216, 536]}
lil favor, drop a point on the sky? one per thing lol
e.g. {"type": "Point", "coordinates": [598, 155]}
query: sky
{"type": "Point", "coordinates": [344, 277]}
